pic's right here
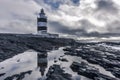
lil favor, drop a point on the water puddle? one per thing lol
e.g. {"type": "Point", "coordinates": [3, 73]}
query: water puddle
{"type": "Point", "coordinates": [39, 65]}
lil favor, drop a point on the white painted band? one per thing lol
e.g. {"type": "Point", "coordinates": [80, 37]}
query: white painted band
{"type": "Point", "coordinates": [42, 24]}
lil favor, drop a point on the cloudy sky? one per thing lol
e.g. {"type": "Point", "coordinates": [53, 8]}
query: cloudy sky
{"type": "Point", "coordinates": [89, 18]}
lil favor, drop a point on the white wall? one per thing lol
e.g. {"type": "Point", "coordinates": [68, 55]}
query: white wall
{"type": "Point", "coordinates": [42, 23]}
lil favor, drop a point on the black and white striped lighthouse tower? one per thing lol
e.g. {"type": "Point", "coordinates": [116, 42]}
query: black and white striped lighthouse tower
{"type": "Point", "coordinates": [42, 23]}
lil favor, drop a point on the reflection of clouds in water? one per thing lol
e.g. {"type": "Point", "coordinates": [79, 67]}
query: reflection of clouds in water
{"type": "Point", "coordinates": [65, 65]}
{"type": "Point", "coordinates": [39, 63]}
{"type": "Point", "coordinates": [11, 66]}
{"type": "Point", "coordinates": [14, 68]}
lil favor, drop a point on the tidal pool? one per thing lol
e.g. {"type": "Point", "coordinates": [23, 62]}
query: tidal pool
{"type": "Point", "coordinates": [39, 64]}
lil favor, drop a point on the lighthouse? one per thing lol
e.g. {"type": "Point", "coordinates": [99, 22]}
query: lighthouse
{"type": "Point", "coordinates": [42, 26]}
{"type": "Point", "coordinates": [42, 23]}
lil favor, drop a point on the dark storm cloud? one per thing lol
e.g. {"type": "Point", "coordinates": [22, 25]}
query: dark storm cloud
{"type": "Point", "coordinates": [64, 29]}
{"type": "Point", "coordinates": [111, 11]}
{"type": "Point", "coordinates": [53, 4]}
{"type": "Point", "coordinates": [100, 35]}
{"type": "Point", "coordinates": [57, 27]}
{"type": "Point", "coordinates": [86, 25]}
{"type": "Point", "coordinates": [106, 5]}
{"type": "Point", "coordinates": [56, 3]}
{"type": "Point", "coordinates": [114, 27]}
{"type": "Point", "coordinates": [75, 1]}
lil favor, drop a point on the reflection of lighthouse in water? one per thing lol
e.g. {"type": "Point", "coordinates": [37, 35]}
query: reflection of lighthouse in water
{"type": "Point", "coordinates": [42, 62]}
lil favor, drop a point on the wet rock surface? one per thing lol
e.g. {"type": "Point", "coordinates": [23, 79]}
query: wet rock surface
{"type": "Point", "coordinates": [63, 59]}
{"type": "Point", "coordinates": [103, 54]}
{"type": "Point", "coordinates": [13, 44]}
{"type": "Point", "coordinates": [18, 76]}
{"type": "Point", "coordinates": [89, 71]}
{"type": "Point", "coordinates": [2, 74]}
{"type": "Point", "coordinates": [56, 73]}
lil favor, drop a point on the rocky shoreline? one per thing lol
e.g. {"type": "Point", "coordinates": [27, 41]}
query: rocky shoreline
{"type": "Point", "coordinates": [101, 54]}
{"type": "Point", "coordinates": [104, 54]}
{"type": "Point", "coordinates": [13, 44]}
{"type": "Point", "coordinates": [55, 72]}
{"type": "Point", "coordinates": [89, 71]}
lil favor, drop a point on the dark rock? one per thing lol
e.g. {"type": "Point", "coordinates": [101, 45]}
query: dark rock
{"type": "Point", "coordinates": [55, 61]}
{"type": "Point", "coordinates": [2, 67]}
{"type": "Point", "coordinates": [18, 60]}
{"type": "Point", "coordinates": [89, 71]}
{"type": "Point", "coordinates": [62, 56]}
{"type": "Point", "coordinates": [70, 49]}
{"type": "Point", "coordinates": [115, 71]}
{"type": "Point", "coordinates": [18, 76]}
{"type": "Point", "coordinates": [56, 73]}
{"type": "Point", "coordinates": [2, 74]}
{"type": "Point", "coordinates": [63, 59]}
{"type": "Point", "coordinates": [97, 54]}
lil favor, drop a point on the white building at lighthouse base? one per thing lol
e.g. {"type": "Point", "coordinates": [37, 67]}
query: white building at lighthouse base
{"type": "Point", "coordinates": [47, 35]}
